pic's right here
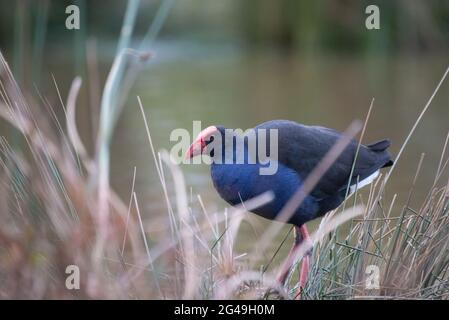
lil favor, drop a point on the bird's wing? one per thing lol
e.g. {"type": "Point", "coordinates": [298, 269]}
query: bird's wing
{"type": "Point", "coordinates": [302, 147]}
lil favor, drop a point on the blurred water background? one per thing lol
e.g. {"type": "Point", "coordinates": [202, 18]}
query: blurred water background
{"type": "Point", "coordinates": [239, 63]}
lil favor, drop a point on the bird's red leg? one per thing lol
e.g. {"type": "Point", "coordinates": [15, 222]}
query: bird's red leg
{"type": "Point", "coordinates": [301, 234]}
{"type": "Point", "coordinates": [305, 263]}
{"type": "Point", "coordinates": [289, 260]}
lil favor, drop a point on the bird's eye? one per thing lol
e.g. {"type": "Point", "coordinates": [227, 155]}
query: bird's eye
{"type": "Point", "coordinates": [211, 139]}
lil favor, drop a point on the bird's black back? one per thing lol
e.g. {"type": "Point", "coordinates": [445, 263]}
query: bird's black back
{"type": "Point", "coordinates": [302, 147]}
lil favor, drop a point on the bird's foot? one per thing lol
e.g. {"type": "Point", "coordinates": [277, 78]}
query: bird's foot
{"type": "Point", "coordinates": [303, 275]}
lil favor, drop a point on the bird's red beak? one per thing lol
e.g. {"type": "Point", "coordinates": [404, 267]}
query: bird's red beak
{"type": "Point", "coordinates": [197, 147]}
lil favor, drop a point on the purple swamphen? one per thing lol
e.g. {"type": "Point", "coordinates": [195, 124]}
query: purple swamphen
{"type": "Point", "coordinates": [299, 149]}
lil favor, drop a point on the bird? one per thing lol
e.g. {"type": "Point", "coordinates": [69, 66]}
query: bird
{"type": "Point", "coordinates": [299, 150]}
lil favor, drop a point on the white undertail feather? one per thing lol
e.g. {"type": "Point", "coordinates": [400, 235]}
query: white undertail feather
{"type": "Point", "coordinates": [364, 182]}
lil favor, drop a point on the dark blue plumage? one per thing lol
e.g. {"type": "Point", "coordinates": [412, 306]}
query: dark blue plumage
{"type": "Point", "coordinates": [300, 149]}
{"type": "Point", "coordinates": [239, 182]}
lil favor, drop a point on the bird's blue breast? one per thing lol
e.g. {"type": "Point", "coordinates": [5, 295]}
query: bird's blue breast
{"type": "Point", "coordinates": [240, 182]}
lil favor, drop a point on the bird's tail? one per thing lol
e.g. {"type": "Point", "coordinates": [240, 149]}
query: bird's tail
{"type": "Point", "coordinates": [381, 147]}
